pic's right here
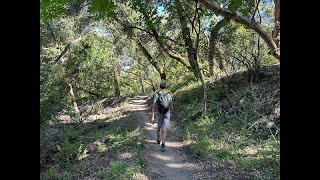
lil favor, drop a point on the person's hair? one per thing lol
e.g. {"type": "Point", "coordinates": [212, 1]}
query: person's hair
{"type": "Point", "coordinates": [163, 85]}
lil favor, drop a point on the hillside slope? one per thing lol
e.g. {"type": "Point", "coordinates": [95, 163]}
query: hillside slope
{"type": "Point", "coordinates": [241, 128]}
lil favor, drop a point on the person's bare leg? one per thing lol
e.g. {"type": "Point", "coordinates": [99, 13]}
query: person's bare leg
{"type": "Point", "coordinates": [163, 135]}
{"type": "Point", "coordinates": [158, 133]}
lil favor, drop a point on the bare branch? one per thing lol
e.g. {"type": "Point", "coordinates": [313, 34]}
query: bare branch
{"type": "Point", "coordinates": [256, 9]}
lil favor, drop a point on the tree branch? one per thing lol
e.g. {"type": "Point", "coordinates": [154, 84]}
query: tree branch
{"type": "Point", "coordinates": [255, 10]}
{"type": "Point", "coordinates": [144, 30]}
{"type": "Point", "coordinates": [68, 46]}
{"type": "Point", "coordinates": [167, 48]}
{"type": "Point", "coordinates": [274, 51]}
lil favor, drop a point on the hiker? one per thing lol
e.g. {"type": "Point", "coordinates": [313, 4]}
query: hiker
{"type": "Point", "coordinates": [163, 106]}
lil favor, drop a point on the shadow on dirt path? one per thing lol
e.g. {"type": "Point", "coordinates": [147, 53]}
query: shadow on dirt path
{"type": "Point", "coordinates": [171, 164]}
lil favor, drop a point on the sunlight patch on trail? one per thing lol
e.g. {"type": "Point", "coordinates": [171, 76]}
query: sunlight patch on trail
{"type": "Point", "coordinates": [179, 165]}
{"type": "Point", "coordinates": [162, 157]}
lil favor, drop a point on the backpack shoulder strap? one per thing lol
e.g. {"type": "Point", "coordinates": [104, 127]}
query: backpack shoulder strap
{"type": "Point", "coordinates": [158, 93]}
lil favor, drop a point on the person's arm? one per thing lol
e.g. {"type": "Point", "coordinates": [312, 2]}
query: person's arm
{"type": "Point", "coordinates": [154, 106]}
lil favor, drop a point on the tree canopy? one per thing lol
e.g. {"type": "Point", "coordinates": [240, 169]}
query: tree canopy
{"type": "Point", "coordinates": [107, 48]}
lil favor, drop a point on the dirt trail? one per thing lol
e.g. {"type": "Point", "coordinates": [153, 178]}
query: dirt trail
{"type": "Point", "coordinates": [171, 164]}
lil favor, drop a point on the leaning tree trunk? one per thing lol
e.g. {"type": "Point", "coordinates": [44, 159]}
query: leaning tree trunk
{"type": "Point", "coordinates": [73, 98]}
{"type": "Point", "coordinates": [251, 24]}
{"type": "Point", "coordinates": [152, 61]}
{"type": "Point", "coordinates": [165, 46]}
{"type": "Point", "coordinates": [127, 28]}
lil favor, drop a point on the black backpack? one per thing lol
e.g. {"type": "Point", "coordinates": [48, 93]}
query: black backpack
{"type": "Point", "coordinates": [163, 103]}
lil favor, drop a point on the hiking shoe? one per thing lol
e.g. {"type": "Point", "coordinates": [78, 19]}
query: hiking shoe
{"type": "Point", "coordinates": [163, 147]}
{"type": "Point", "coordinates": [157, 142]}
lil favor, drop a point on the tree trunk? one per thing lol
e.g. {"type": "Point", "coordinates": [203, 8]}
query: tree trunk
{"type": "Point", "coordinates": [212, 42]}
{"type": "Point", "coordinates": [142, 84]}
{"type": "Point", "coordinates": [192, 51]}
{"type": "Point", "coordinates": [131, 33]}
{"type": "Point", "coordinates": [274, 51]}
{"type": "Point", "coordinates": [141, 77]}
{"type": "Point", "coordinates": [152, 85]}
{"type": "Point", "coordinates": [211, 55]}
{"type": "Point", "coordinates": [68, 46]}
{"type": "Point", "coordinates": [219, 58]}
{"type": "Point", "coordinates": [165, 47]}
{"type": "Point", "coordinates": [73, 98]}
{"type": "Point", "coordinates": [116, 81]}
{"type": "Point", "coordinates": [276, 30]}
{"type": "Point", "coordinates": [154, 63]}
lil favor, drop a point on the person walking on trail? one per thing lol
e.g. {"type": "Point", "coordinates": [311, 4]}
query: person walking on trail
{"type": "Point", "coordinates": [161, 108]}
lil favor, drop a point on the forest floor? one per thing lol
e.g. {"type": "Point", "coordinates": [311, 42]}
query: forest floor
{"type": "Point", "coordinates": [121, 146]}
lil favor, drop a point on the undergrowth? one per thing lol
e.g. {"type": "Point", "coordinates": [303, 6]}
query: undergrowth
{"type": "Point", "coordinates": [242, 123]}
{"type": "Point", "coordinates": [92, 149]}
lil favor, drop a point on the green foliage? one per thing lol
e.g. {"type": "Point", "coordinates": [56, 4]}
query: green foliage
{"type": "Point", "coordinates": [122, 170]}
{"type": "Point", "coordinates": [69, 152]}
{"type": "Point", "coordinates": [235, 125]}
{"type": "Point", "coordinates": [240, 47]}
{"type": "Point", "coordinates": [248, 7]}
{"type": "Point", "coordinates": [177, 75]}
{"type": "Point", "coordinates": [52, 173]}
{"type": "Point", "coordinates": [49, 174]}
{"type": "Point", "coordinates": [201, 147]}
{"type": "Point", "coordinates": [245, 7]}
{"type": "Point", "coordinates": [50, 9]}
{"type": "Point", "coordinates": [107, 62]}
{"type": "Point", "coordinates": [117, 171]}
{"type": "Point", "coordinates": [83, 167]}
{"type": "Point", "coordinates": [124, 136]}
{"type": "Point", "coordinates": [102, 9]}
{"type": "Point", "coordinates": [96, 70]}
{"type": "Point", "coordinates": [53, 93]}
{"type": "Point", "coordinates": [234, 5]}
